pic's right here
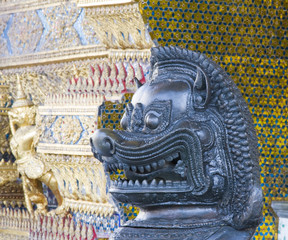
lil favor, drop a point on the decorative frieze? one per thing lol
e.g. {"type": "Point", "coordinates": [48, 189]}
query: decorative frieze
{"type": "Point", "coordinates": [12, 6]}
{"type": "Point", "coordinates": [14, 224]}
{"type": "Point", "coordinates": [105, 76]}
{"type": "Point", "coordinates": [8, 172]}
{"type": "Point", "coordinates": [17, 224]}
{"type": "Point", "coordinates": [94, 3]}
{"type": "Point", "coordinates": [120, 27]}
{"type": "Point", "coordinates": [63, 32]}
{"type": "Point", "coordinates": [81, 181]}
{"type": "Point", "coordinates": [4, 121]}
{"type": "Point", "coordinates": [54, 56]}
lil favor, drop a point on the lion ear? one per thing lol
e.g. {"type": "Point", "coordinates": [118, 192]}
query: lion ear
{"type": "Point", "coordinates": [137, 82]}
{"type": "Point", "coordinates": [201, 90]}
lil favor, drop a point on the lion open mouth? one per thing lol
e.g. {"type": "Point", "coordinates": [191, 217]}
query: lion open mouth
{"type": "Point", "coordinates": [171, 163]}
{"type": "Point", "coordinates": [169, 171]}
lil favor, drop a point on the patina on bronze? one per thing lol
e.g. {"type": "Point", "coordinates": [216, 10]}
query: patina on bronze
{"type": "Point", "coordinates": [189, 152]}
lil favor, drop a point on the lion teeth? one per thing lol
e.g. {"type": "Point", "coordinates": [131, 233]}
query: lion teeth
{"type": "Point", "coordinates": [161, 163]}
{"type": "Point", "coordinates": [175, 155]}
{"type": "Point", "coordinates": [183, 183]}
{"type": "Point", "coordinates": [161, 183]}
{"type": "Point", "coordinates": [141, 169]}
{"type": "Point", "coordinates": [176, 184]}
{"type": "Point", "coordinates": [145, 183]}
{"type": "Point", "coordinates": [153, 183]}
{"type": "Point", "coordinates": [169, 159]}
{"type": "Point", "coordinates": [168, 183]}
{"type": "Point", "coordinates": [154, 165]}
{"type": "Point", "coordinates": [148, 168]}
{"type": "Point", "coordinates": [131, 183]}
{"type": "Point", "coordinates": [125, 184]}
{"type": "Point", "coordinates": [137, 183]}
{"type": "Point", "coordinates": [134, 168]}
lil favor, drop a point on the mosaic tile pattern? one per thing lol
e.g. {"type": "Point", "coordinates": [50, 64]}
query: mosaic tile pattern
{"type": "Point", "coordinates": [110, 113]}
{"type": "Point", "coordinates": [103, 226]}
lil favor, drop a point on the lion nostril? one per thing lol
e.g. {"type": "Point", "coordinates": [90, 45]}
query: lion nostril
{"type": "Point", "coordinates": [109, 145]}
{"type": "Point", "coordinates": [103, 143]}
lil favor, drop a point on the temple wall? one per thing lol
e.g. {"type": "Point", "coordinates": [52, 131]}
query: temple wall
{"type": "Point", "coordinates": [69, 56]}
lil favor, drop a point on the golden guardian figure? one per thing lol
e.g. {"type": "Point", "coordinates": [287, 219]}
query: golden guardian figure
{"type": "Point", "coordinates": [31, 167]}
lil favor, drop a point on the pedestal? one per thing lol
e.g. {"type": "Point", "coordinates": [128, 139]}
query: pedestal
{"type": "Point", "coordinates": [281, 209]}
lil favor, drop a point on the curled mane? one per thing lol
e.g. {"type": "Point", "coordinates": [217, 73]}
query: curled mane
{"type": "Point", "coordinates": [240, 207]}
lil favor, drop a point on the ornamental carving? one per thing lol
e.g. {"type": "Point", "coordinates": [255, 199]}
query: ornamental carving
{"type": "Point", "coordinates": [53, 32]}
{"type": "Point", "coordinates": [189, 153]}
{"type": "Point", "coordinates": [60, 23]}
{"type": "Point", "coordinates": [82, 183]}
{"type": "Point", "coordinates": [109, 77]}
{"type": "Point", "coordinates": [67, 130]}
{"type": "Point", "coordinates": [120, 29]}
{"type": "Point", "coordinates": [25, 32]}
{"type": "Point", "coordinates": [3, 43]}
{"type": "Point", "coordinates": [5, 133]}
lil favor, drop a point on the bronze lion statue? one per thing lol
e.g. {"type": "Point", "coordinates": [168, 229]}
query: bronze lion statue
{"type": "Point", "coordinates": [189, 152]}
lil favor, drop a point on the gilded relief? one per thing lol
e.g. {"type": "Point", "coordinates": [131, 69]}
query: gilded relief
{"type": "Point", "coordinates": [60, 30]}
{"type": "Point", "coordinates": [120, 29]}
{"type": "Point", "coordinates": [31, 167]}
{"type": "Point", "coordinates": [4, 136]}
{"type": "Point", "coordinates": [25, 32]}
{"type": "Point", "coordinates": [81, 182]}
{"type": "Point", "coordinates": [67, 130]}
{"type": "Point", "coordinates": [8, 173]}
{"type": "Point", "coordinates": [3, 40]}
{"type": "Point", "coordinates": [67, 72]}
{"type": "Point", "coordinates": [38, 82]}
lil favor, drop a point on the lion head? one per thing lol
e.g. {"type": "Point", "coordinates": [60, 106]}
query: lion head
{"type": "Point", "coordinates": [188, 140]}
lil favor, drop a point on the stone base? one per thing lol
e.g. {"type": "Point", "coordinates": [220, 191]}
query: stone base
{"type": "Point", "coordinates": [206, 233]}
{"type": "Point", "coordinates": [281, 209]}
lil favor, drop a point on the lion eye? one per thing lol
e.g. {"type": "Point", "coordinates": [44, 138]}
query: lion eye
{"type": "Point", "coordinates": [152, 121]}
